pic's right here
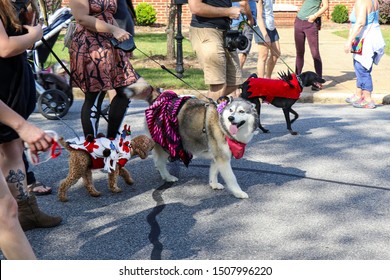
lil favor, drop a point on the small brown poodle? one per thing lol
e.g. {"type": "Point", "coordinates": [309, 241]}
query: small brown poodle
{"type": "Point", "coordinates": [81, 165]}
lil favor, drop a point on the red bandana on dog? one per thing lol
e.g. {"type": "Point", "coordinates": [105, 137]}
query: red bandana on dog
{"type": "Point", "coordinates": [237, 148]}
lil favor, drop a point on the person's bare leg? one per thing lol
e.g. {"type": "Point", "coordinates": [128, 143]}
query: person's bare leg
{"type": "Point", "coordinates": [261, 60]}
{"type": "Point", "coordinates": [242, 57]}
{"type": "Point", "coordinates": [12, 166]}
{"type": "Point", "coordinates": [111, 94]}
{"type": "Point", "coordinates": [13, 241]}
{"type": "Point", "coordinates": [367, 95]}
{"type": "Point", "coordinates": [233, 91]}
{"type": "Point", "coordinates": [359, 92]}
{"type": "Point", "coordinates": [273, 58]}
{"type": "Point", "coordinates": [217, 91]}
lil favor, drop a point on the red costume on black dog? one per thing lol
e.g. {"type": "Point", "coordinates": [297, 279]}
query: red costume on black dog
{"type": "Point", "coordinates": [281, 93]}
{"type": "Point", "coordinates": [287, 86]}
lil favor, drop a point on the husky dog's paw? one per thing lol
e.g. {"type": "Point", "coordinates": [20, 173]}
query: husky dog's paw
{"type": "Point", "coordinates": [170, 178]}
{"type": "Point", "coordinates": [241, 194]}
{"type": "Point", "coordinates": [216, 186]}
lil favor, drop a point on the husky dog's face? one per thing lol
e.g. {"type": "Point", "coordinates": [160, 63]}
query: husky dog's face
{"type": "Point", "coordinates": [239, 119]}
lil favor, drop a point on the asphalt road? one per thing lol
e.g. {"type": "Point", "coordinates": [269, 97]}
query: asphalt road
{"type": "Point", "coordinates": [323, 194]}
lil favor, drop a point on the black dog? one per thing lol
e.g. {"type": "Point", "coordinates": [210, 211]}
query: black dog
{"type": "Point", "coordinates": [281, 93]}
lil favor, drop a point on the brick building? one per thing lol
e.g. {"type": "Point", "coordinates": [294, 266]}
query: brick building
{"type": "Point", "coordinates": [285, 10]}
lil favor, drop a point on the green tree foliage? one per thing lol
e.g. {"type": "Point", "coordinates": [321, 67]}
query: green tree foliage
{"type": "Point", "coordinates": [146, 14]}
{"type": "Point", "coordinates": [340, 14]}
{"type": "Point", "coordinates": [384, 11]}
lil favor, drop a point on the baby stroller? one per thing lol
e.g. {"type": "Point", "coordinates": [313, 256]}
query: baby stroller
{"type": "Point", "coordinates": [54, 93]}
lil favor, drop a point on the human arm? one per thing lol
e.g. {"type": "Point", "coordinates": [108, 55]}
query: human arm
{"type": "Point", "coordinates": [197, 7]}
{"type": "Point", "coordinates": [261, 21]}
{"type": "Point", "coordinates": [80, 11]}
{"type": "Point", "coordinates": [13, 45]}
{"type": "Point", "coordinates": [247, 11]}
{"type": "Point", "coordinates": [361, 14]}
{"type": "Point", "coordinates": [323, 8]}
{"type": "Point", "coordinates": [35, 137]}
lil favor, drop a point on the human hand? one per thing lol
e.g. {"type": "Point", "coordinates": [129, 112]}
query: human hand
{"type": "Point", "coordinates": [49, 5]}
{"type": "Point", "coordinates": [311, 18]}
{"type": "Point", "coordinates": [234, 12]}
{"type": "Point", "coordinates": [267, 39]}
{"type": "Point", "coordinates": [34, 137]}
{"type": "Point", "coordinates": [36, 31]}
{"type": "Point", "coordinates": [121, 34]}
{"type": "Point", "coordinates": [348, 47]}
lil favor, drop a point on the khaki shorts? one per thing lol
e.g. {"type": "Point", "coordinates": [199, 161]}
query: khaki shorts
{"type": "Point", "coordinates": [219, 65]}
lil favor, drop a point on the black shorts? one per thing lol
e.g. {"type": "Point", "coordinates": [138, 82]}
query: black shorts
{"type": "Point", "coordinates": [17, 90]}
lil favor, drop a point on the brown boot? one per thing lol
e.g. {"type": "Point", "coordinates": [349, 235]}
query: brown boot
{"type": "Point", "coordinates": [31, 217]}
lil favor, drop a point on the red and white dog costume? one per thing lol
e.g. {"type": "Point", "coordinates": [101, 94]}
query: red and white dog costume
{"type": "Point", "coordinates": [106, 153]}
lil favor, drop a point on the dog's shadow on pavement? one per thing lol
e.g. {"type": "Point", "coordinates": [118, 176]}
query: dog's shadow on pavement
{"type": "Point", "coordinates": [158, 220]}
{"type": "Point", "coordinates": [332, 81]}
{"type": "Point", "coordinates": [303, 126]}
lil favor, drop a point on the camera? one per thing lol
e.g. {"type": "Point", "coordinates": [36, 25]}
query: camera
{"type": "Point", "coordinates": [235, 40]}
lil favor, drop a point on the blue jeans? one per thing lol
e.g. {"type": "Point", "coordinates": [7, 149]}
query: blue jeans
{"type": "Point", "coordinates": [363, 76]}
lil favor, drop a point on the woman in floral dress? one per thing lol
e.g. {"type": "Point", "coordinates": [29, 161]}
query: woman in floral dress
{"type": "Point", "coordinates": [96, 66]}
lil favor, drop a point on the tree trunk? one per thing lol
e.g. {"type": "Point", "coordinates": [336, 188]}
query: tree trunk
{"type": "Point", "coordinates": [171, 31]}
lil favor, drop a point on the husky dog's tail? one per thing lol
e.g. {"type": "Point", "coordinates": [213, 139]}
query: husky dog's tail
{"type": "Point", "coordinates": [142, 90]}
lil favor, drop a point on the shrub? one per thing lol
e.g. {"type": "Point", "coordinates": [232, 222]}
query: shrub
{"type": "Point", "coordinates": [146, 14]}
{"type": "Point", "coordinates": [384, 11]}
{"type": "Point", "coordinates": [340, 14]}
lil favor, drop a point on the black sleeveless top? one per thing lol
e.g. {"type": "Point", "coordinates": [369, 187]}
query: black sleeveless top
{"type": "Point", "coordinates": [219, 22]}
{"type": "Point", "coordinates": [17, 87]}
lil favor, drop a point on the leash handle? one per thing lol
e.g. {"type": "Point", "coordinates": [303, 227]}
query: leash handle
{"type": "Point", "coordinates": [40, 157]}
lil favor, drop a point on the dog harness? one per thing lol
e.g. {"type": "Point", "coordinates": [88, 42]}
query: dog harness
{"type": "Point", "coordinates": [106, 153]}
{"type": "Point", "coordinates": [163, 125]}
{"type": "Point", "coordinates": [286, 87]}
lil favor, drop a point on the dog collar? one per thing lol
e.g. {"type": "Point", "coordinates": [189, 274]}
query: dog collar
{"type": "Point", "coordinates": [237, 148]}
{"type": "Point", "coordinates": [299, 81]}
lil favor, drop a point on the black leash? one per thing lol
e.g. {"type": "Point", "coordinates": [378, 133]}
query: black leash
{"type": "Point", "coordinates": [267, 44]}
{"type": "Point", "coordinates": [173, 74]}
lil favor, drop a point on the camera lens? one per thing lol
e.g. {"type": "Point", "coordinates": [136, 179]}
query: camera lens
{"type": "Point", "coordinates": [242, 42]}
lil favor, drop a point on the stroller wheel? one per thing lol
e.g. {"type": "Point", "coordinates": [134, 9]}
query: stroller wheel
{"type": "Point", "coordinates": [53, 104]}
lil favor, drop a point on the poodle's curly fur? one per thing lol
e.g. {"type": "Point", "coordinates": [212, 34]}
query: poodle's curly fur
{"type": "Point", "coordinates": [80, 167]}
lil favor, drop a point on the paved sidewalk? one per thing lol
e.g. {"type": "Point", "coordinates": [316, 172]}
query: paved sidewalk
{"type": "Point", "coordinates": [337, 68]}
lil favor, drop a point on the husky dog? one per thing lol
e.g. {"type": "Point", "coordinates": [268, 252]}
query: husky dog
{"type": "Point", "coordinates": [205, 133]}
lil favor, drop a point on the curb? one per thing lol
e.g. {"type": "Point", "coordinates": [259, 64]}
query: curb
{"type": "Point", "coordinates": [307, 96]}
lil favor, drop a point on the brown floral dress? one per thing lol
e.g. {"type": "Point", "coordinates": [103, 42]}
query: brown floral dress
{"type": "Point", "coordinates": [95, 64]}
